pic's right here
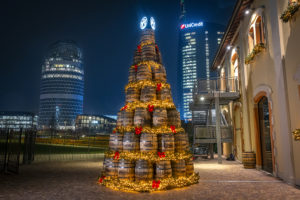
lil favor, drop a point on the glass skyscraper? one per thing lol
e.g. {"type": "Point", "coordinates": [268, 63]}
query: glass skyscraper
{"type": "Point", "coordinates": [198, 43]}
{"type": "Point", "coordinates": [62, 86]}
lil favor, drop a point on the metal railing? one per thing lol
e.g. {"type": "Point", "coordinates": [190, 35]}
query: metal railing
{"type": "Point", "coordinates": [226, 84]}
{"type": "Point", "coordinates": [209, 132]}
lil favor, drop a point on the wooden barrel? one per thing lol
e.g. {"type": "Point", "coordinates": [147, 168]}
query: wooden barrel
{"type": "Point", "coordinates": [166, 143]}
{"type": "Point", "coordinates": [158, 57]}
{"type": "Point", "coordinates": [127, 118]}
{"type": "Point", "coordinates": [249, 160]}
{"type": "Point", "coordinates": [147, 36]}
{"type": "Point", "coordinates": [189, 165]}
{"type": "Point", "coordinates": [143, 170]}
{"type": "Point", "coordinates": [132, 75]}
{"type": "Point", "coordinates": [116, 142]}
{"type": "Point", "coordinates": [163, 169]}
{"type": "Point", "coordinates": [159, 117]}
{"type": "Point", "coordinates": [143, 72]}
{"type": "Point", "coordinates": [164, 94]}
{"type": "Point", "coordinates": [181, 142]}
{"type": "Point", "coordinates": [148, 52]}
{"type": "Point", "coordinates": [173, 118]}
{"type": "Point", "coordinates": [120, 119]}
{"type": "Point", "coordinates": [178, 168]}
{"type": "Point", "coordinates": [126, 169]}
{"type": "Point", "coordinates": [131, 142]}
{"type": "Point", "coordinates": [159, 73]}
{"type": "Point", "coordinates": [148, 93]}
{"type": "Point", "coordinates": [148, 142]}
{"type": "Point", "coordinates": [111, 167]}
{"type": "Point", "coordinates": [137, 57]}
{"type": "Point", "coordinates": [132, 94]}
{"type": "Point", "coordinates": [142, 117]}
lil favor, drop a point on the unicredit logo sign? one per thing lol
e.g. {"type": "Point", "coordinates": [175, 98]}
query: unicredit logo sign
{"type": "Point", "coordinates": [191, 25]}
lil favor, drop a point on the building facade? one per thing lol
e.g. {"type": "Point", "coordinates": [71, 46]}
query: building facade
{"type": "Point", "coordinates": [260, 48]}
{"type": "Point", "coordinates": [198, 42]}
{"type": "Point", "coordinates": [18, 120]}
{"type": "Point", "coordinates": [95, 124]}
{"type": "Point", "coordinates": [62, 86]}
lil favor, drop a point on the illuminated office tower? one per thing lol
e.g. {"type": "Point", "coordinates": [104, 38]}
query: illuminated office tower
{"type": "Point", "coordinates": [198, 43]}
{"type": "Point", "coordinates": [62, 86]}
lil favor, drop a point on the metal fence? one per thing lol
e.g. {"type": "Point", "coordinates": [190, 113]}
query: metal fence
{"type": "Point", "coordinates": [28, 146]}
{"type": "Point", "coordinates": [10, 149]}
{"type": "Point", "coordinates": [226, 84]}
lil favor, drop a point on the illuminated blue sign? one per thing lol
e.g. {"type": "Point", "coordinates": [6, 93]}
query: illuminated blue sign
{"type": "Point", "coordinates": [191, 25]}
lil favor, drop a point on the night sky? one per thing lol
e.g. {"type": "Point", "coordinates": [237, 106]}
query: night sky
{"type": "Point", "coordinates": [106, 31]}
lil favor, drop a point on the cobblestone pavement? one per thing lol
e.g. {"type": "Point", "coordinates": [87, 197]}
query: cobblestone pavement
{"type": "Point", "coordinates": [77, 180]}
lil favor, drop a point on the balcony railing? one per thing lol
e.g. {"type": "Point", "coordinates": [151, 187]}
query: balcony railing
{"type": "Point", "coordinates": [209, 133]}
{"type": "Point", "coordinates": [226, 84]}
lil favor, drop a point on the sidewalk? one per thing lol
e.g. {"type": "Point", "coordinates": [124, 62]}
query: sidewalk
{"type": "Point", "coordinates": [77, 180]}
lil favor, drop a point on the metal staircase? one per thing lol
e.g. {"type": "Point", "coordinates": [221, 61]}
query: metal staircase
{"type": "Point", "coordinates": [210, 127]}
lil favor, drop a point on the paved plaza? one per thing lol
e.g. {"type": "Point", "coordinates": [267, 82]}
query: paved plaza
{"type": "Point", "coordinates": [77, 180]}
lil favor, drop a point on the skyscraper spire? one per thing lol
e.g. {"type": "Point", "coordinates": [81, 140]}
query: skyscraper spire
{"type": "Point", "coordinates": [182, 10]}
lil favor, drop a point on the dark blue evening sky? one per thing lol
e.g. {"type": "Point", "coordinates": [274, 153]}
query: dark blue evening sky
{"type": "Point", "coordinates": [106, 31]}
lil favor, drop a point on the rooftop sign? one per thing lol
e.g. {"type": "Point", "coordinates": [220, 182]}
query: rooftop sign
{"type": "Point", "coordinates": [191, 25]}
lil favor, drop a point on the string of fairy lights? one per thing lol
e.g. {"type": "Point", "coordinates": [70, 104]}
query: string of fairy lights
{"type": "Point", "coordinates": [112, 179]}
{"type": "Point", "coordinates": [148, 186]}
{"type": "Point", "coordinates": [149, 156]}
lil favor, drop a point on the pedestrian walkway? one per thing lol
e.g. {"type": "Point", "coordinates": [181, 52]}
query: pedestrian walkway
{"type": "Point", "coordinates": [77, 180]}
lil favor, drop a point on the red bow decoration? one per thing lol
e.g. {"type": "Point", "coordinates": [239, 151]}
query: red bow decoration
{"type": "Point", "coordinates": [156, 47]}
{"type": "Point", "coordinates": [161, 154]}
{"type": "Point", "coordinates": [138, 130]}
{"type": "Point", "coordinates": [114, 131]}
{"type": "Point", "coordinates": [101, 179]}
{"type": "Point", "coordinates": [139, 48]}
{"type": "Point", "coordinates": [117, 155]}
{"type": "Point", "coordinates": [124, 108]}
{"type": "Point", "coordinates": [136, 68]}
{"type": "Point", "coordinates": [155, 184]}
{"type": "Point", "coordinates": [158, 86]}
{"type": "Point", "coordinates": [173, 129]}
{"type": "Point", "coordinates": [150, 108]}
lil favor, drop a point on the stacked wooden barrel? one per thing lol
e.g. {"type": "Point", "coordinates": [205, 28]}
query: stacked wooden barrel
{"type": "Point", "coordinates": [181, 142]}
{"type": "Point", "coordinates": [148, 143]}
{"type": "Point", "coordinates": [164, 94]}
{"type": "Point", "coordinates": [159, 73]}
{"type": "Point", "coordinates": [179, 168]}
{"type": "Point", "coordinates": [163, 169]}
{"type": "Point", "coordinates": [148, 93]}
{"type": "Point", "coordinates": [143, 170]}
{"type": "Point", "coordinates": [132, 94]}
{"type": "Point", "coordinates": [166, 143]}
{"type": "Point", "coordinates": [111, 167]}
{"type": "Point", "coordinates": [119, 119]}
{"type": "Point", "coordinates": [131, 142]}
{"type": "Point", "coordinates": [147, 37]}
{"type": "Point", "coordinates": [127, 117]}
{"type": "Point", "coordinates": [143, 72]}
{"type": "Point", "coordinates": [116, 142]}
{"type": "Point", "coordinates": [173, 118]}
{"type": "Point", "coordinates": [126, 169]}
{"type": "Point", "coordinates": [157, 151]}
{"type": "Point", "coordinates": [132, 75]}
{"type": "Point", "coordinates": [137, 57]}
{"type": "Point", "coordinates": [142, 117]}
{"type": "Point", "coordinates": [159, 117]}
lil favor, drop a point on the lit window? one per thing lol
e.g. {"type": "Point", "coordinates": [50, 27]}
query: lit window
{"type": "Point", "coordinates": [256, 33]}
